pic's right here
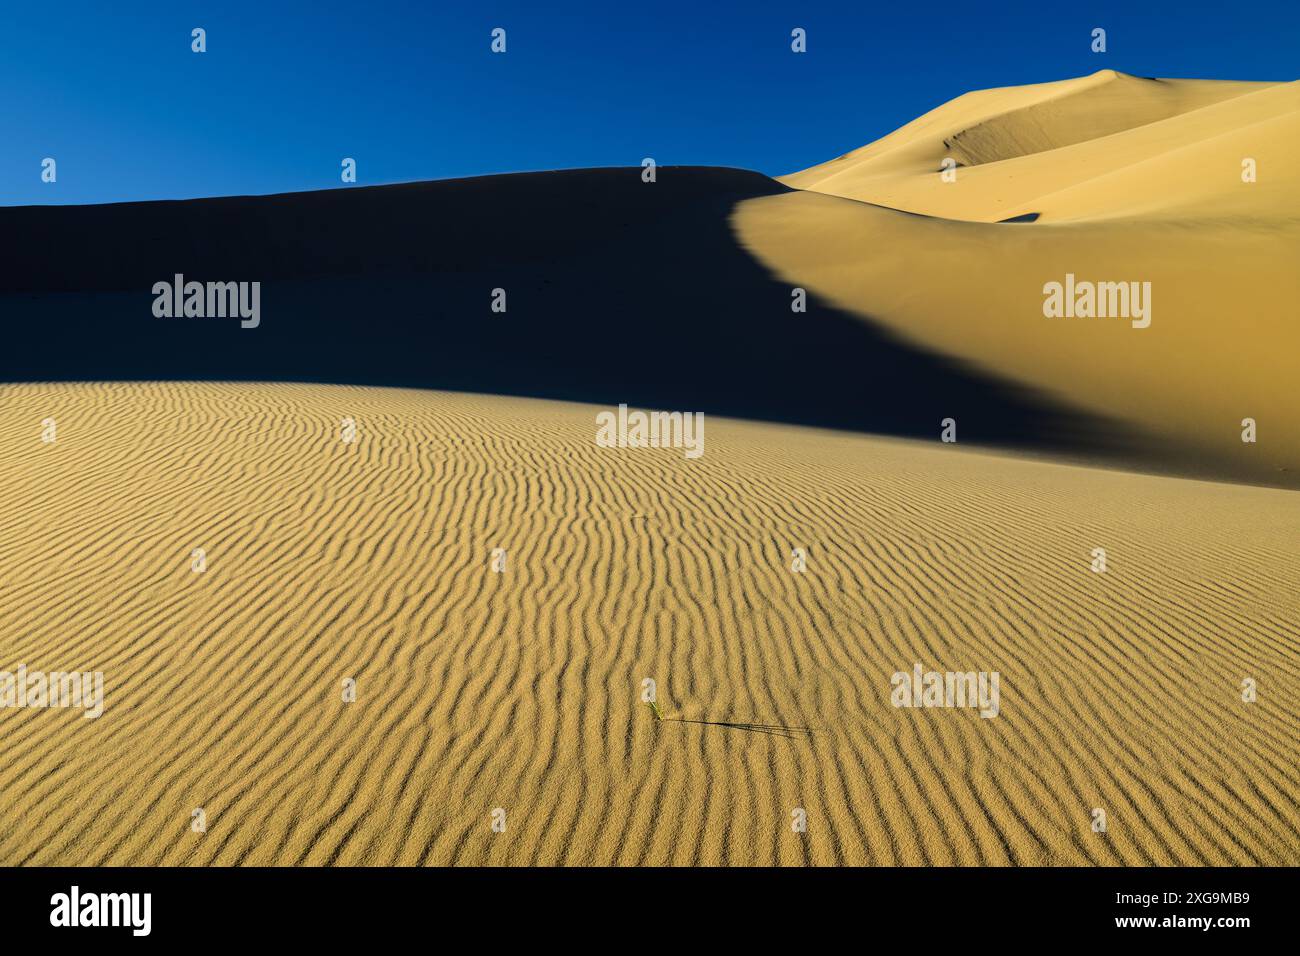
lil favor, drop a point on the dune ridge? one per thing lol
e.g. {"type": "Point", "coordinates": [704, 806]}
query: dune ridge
{"type": "Point", "coordinates": [617, 291]}
{"type": "Point", "coordinates": [520, 690]}
{"type": "Point", "coordinates": [1114, 179]}
{"type": "Point", "coordinates": [1099, 147]}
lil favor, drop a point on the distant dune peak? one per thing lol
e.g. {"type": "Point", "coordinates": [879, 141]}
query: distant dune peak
{"type": "Point", "coordinates": [1101, 146]}
{"type": "Point", "coordinates": [949, 231]}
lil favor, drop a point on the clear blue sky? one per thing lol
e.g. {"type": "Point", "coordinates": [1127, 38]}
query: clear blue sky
{"type": "Point", "coordinates": [411, 90]}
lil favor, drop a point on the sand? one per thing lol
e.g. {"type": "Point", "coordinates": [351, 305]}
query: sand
{"type": "Point", "coordinates": [1103, 146]}
{"type": "Point", "coordinates": [1123, 692]}
{"type": "Point", "coordinates": [1150, 193]}
{"type": "Point", "coordinates": [520, 690]}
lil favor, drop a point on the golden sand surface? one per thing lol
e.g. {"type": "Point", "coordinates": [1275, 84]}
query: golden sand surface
{"type": "Point", "coordinates": [520, 690]}
{"type": "Point", "coordinates": [1135, 181]}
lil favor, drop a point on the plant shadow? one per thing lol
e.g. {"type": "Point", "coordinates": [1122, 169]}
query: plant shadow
{"type": "Point", "coordinates": [775, 730]}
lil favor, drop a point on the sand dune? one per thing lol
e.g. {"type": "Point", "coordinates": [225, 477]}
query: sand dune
{"type": "Point", "coordinates": [618, 291]}
{"type": "Point", "coordinates": [911, 318]}
{"type": "Point", "coordinates": [477, 690]}
{"type": "Point", "coordinates": [1099, 147]}
{"type": "Point", "coordinates": [1134, 180]}
{"type": "Point", "coordinates": [1121, 691]}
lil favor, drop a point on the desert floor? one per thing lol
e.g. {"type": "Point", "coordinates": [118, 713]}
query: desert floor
{"type": "Point", "coordinates": [520, 690]}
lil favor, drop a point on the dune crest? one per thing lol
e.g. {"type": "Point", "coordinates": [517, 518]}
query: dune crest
{"type": "Point", "coordinates": [1102, 146]}
{"type": "Point", "coordinates": [1108, 179]}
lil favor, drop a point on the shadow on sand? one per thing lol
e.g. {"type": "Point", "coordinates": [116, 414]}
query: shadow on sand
{"type": "Point", "coordinates": [776, 730]}
{"type": "Point", "coordinates": [618, 291]}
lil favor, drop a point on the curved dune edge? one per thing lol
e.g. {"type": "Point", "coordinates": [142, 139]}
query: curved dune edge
{"type": "Point", "coordinates": [1100, 147]}
{"type": "Point", "coordinates": [1222, 343]}
{"type": "Point", "coordinates": [1127, 180]}
{"type": "Point", "coordinates": [597, 264]}
{"type": "Point", "coordinates": [476, 690]}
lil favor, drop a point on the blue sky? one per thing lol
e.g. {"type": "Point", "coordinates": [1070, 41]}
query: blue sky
{"type": "Point", "coordinates": [113, 92]}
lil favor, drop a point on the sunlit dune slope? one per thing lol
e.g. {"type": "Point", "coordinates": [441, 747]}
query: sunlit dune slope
{"type": "Point", "coordinates": [1102, 146]}
{"type": "Point", "coordinates": [475, 690]}
{"type": "Point", "coordinates": [1136, 181]}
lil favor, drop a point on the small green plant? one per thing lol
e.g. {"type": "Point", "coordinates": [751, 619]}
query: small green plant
{"type": "Point", "coordinates": [654, 709]}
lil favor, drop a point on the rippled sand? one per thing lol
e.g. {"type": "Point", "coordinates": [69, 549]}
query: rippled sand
{"type": "Point", "coordinates": [521, 690]}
